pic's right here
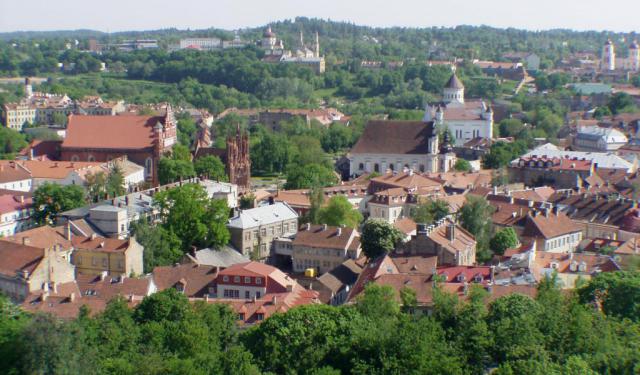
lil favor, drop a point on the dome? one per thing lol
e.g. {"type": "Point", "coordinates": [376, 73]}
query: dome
{"type": "Point", "coordinates": [268, 33]}
{"type": "Point", "coordinates": [454, 83]}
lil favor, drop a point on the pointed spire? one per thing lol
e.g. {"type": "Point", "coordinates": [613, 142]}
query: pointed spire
{"type": "Point", "coordinates": [301, 40]}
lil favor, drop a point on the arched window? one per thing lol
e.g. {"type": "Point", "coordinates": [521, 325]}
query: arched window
{"type": "Point", "coordinates": [361, 166]}
{"type": "Point", "coordinates": [148, 166]}
{"type": "Point", "coordinates": [422, 168]}
{"type": "Point", "coordinates": [391, 166]}
{"type": "Point", "coordinates": [75, 158]}
{"type": "Point", "coordinates": [376, 168]}
{"type": "Point", "coordinates": [91, 158]}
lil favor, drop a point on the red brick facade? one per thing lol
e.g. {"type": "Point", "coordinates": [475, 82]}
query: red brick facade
{"type": "Point", "coordinates": [153, 136]}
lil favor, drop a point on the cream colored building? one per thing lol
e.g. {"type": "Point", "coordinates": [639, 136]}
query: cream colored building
{"type": "Point", "coordinates": [324, 247]}
{"type": "Point", "coordinates": [94, 255]}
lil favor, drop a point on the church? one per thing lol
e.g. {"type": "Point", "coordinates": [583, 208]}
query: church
{"type": "Point", "coordinates": [611, 62]}
{"type": "Point", "coordinates": [143, 139]}
{"type": "Point", "coordinates": [466, 120]}
{"type": "Point", "coordinates": [399, 145]}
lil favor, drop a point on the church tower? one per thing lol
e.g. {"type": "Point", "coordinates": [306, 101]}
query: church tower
{"type": "Point", "coordinates": [269, 39]}
{"type": "Point", "coordinates": [447, 158]}
{"type": "Point", "coordinates": [608, 56]}
{"type": "Point", "coordinates": [28, 89]}
{"type": "Point", "coordinates": [238, 161]}
{"type": "Point", "coordinates": [317, 46]}
{"type": "Point", "coordinates": [453, 92]}
{"type": "Point", "coordinates": [634, 56]}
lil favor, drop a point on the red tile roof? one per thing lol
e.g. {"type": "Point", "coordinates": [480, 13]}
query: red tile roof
{"type": "Point", "coordinates": [395, 137]}
{"type": "Point", "coordinates": [111, 132]}
{"type": "Point", "coordinates": [325, 237]}
{"type": "Point", "coordinates": [17, 258]}
{"type": "Point", "coordinates": [550, 226]}
{"type": "Point", "coordinates": [196, 279]}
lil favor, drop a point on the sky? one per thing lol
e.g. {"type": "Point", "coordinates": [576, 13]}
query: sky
{"type": "Point", "coordinates": [123, 15]}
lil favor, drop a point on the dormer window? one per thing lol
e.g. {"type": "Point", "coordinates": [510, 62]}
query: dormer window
{"type": "Point", "coordinates": [247, 280]}
{"type": "Point", "coordinates": [236, 279]}
{"type": "Point", "coordinates": [225, 278]}
{"type": "Point", "coordinates": [259, 280]}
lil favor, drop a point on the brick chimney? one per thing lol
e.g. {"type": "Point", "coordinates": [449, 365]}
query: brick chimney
{"type": "Point", "coordinates": [26, 240]}
{"type": "Point", "coordinates": [68, 230]}
{"type": "Point", "coordinates": [451, 232]}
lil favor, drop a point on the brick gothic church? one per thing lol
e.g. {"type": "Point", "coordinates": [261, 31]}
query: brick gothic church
{"type": "Point", "coordinates": [235, 157]}
{"type": "Point", "coordinates": [143, 139]}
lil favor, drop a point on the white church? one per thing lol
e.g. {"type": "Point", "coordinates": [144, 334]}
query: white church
{"type": "Point", "coordinates": [466, 120]}
{"type": "Point", "coordinates": [413, 145]}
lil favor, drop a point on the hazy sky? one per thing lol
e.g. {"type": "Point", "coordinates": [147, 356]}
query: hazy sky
{"type": "Point", "coordinates": [119, 15]}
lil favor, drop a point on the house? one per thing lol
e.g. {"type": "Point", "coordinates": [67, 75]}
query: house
{"type": "Point", "coordinates": [64, 300]}
{"type": "Point", "coordinates": [191, 279]}
{"type": "Point", "coordinates": [570, 268]}
{"type": "Point", "coordinates": [356, 194]}
{"type": "Point", "coordinates": [334, 285]}
{"type": "Point", "coordinates": [597, 139]}
{"type": "Point", "coordinates": [446, 240]}
{"type": "Point", "coordinates": [324, 247]}
{"type": "Point", "coordinates": [143, 139]}
{"type": "Point", "coordinates": [94, 255]}
{"type": "Point", "coordinates": [16, 211]}
{"type": "Point", "coordinates": [553, 231]}
{"type": "Point", "coordinates": [221, 190]}
{"type": "Point", "coordinates": [601, 159]}
{"type": "Point", "coordinates": [43, 171]}
{"type": "Point", "coordinates": [253, 230]}
{"type": "Point", "coordinates": [221, 258]}
{"type": "Point", "coordinates": [46, 237]}
{"type": "Point", "coordinates": [14, 177]}
{"type": "Point", "coordinates": [25, 269]}
{"type": "Point", "coordinates": [562, 173]}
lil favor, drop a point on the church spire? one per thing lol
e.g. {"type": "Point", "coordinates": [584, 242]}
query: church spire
{"type": "Point", "coordinates": [317, 46]}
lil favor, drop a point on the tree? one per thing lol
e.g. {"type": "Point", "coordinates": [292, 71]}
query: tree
{"type": "Point", "coordinates": [462, 165]}
{"type": "Point", "coordinates": [196, 220]}
{"type": "Point", "coordinates": [510, 127]}
{"type": "Point", "coordinates": [247, 201]}
{"type": "Point", "coordinates": [301, 177]}
{"type": "Point", "coordinates": [211, 167]}
{"type": "Point", "coordinates": [430, 211]}
{"type": "Point", "coordinates": [621, 102]}
{"type": "Point", "coordinates": [475, 216]}
{"type": "Point", "coordinates": [502, 153]}
{"type": "Point", "coordinates": [115, 182]}
{"type": "Point", "coordinates": [11, 142]}
{"type": "Point", "coordinates": [379, 237]}
{"type": "Point", "coordinates": [51, 199]}
{"type": "Point", "coordinates": [170, 170]}
{"type": "Point", "coordinates": [503, 239]}
{"type": "Point", "coordinates": [96, 186]}
{"type": "Point", "coordinates": [339, 211]}
{"type": "Point", "coordinates": [161, 247]}
{"type": "Point", "coordinates": [59, 118]}
{"type": "Point", "coordinates": [617, 292]}
{"type": "Point", "coordinates": [316, 199]}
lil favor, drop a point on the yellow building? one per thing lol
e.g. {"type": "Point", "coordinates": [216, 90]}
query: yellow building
{"type": "Point", "coordinates": [93, 255]}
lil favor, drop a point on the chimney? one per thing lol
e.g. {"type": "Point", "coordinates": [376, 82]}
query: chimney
{"type": "Point", "coordinates": [21, 198]}
{"type": "Point", "coordinates": [206, 297]}
{"type": "Point", "coordinates": [122, 277]}
{"type": "Point", "coordinates": [68, 230]}
{"type": "Point", "coordinates": [339, 232]}
{"type": "Point", "coordinates": [72, 297]}
{"type": "Point", "coordinates": [546, 212]}
{"type": "Point", "coordinates": [274, 301]}
{"type": "Point", "coordinates": [94, 236]}
{"type": "Point", "coordinates": [130, 297]}
{"type": "Point", "coordinates": [192, 251]}
{"type": "Point", "coordinates": [26, 240]}
{"type": "Point", "coordinates": [530, 203]}
{"type": "Point", "coordinates": [55, 287]}
{"type": "Point", "coordinates": [103, 275]}
{"type": "Point", "coordinates": [324, 227]}
{"type": "Point", "coordinates": [451, 231]}
{"type": "Point", "coordinates": [308, 226]}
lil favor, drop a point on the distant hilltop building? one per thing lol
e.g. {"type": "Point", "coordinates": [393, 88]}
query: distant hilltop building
{"type": "Point", "coordinates": [209, 44]}
{"type": "Point", "coordinates": [276, 53]}
{"type": "Point", "coordinates": [466, 120]}
{"type": "Point", "coordinates": [610, 62]}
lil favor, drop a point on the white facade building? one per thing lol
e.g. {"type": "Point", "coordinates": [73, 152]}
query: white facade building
{"type": "Point", "coordinates": [466, 120]}
{"type": "Point", "coordinates": [593, 138]}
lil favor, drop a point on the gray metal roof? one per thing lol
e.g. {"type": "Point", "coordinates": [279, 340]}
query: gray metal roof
{"type": "Point", "coordinates": [264, 215]}
{"type": "Point", "coordinates": [225, 257]}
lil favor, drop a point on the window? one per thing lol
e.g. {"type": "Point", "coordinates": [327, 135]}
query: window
{"type": "Point", "coordinates": [258, 280]}
{"type": "Point", "coordinates": [94, 261]}
{"type": "Point", "coordinates": [104, 262]}
{"type": "Point", "coordinates": [259, 316]}
{"type": "Point", "coordinates": [360, 166]}
{"type": "Point", "coordinates": [241, 316]}
{"type": "Point", "coordinates": [91, 158]}
{"type": "Point", "coordinates": [376, 168]}
{"type": "Point", "coordinates": [78, 260]}
{"type": "Point", "coordinates": [247, 294]}
{"type": "Point", "coordinates": [257, 294]}
{"type": "Point", "coordinates": [225, 279]}
{"type": "Point", "coordinates": [236, 279]}
{"type": "Point", "coordinates": [247, 280]}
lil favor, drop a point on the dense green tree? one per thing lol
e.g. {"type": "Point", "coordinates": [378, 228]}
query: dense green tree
{"type": "Point", "coordinates": [96, 186]}
{"type": "Point", "coordinates": [196, 220]}
{"type": "Point", "coordinates": [502, 153]}
{"type": "Point", "coordinates": [379, 237]}
{"type": "Point", "coordinates": [115, 184]}
{"type": "Point", "coordinates": [50, 199]}
{"type": "Point", "coordinates": [301, 177]}
{"type": "Point", "coordinates": [502, 240]}
{"type": "Point", "coordinates": [11, 142]}
{"type": "Point", "coordinates": [339, 211]}
{"type": "Point", "coordinates": [621, 102]}
{"type": "Point", "coordinates": [617, 292]}
{"type": "Point", "coordinates": [161, 247]}
{"type": "Point", "coordinates": [475, 216]}
{"type": "Point", "coordinates": [170, 170]}
{"type": "Point", "coordinates": [462, 165]}
{"type": "Point", "coordinates": [211, 167]}
{"type": "Point", "coordinates": [430, 211]}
